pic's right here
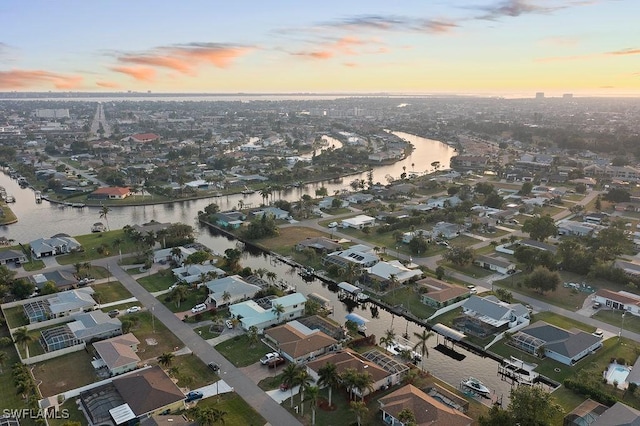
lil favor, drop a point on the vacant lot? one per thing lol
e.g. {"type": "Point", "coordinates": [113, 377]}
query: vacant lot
{"type": "Point", "coordinates": [64, 373]}
{"type": "Point", "coordinates": [110, 292]}
{"type": "Point", "coordinates": [154, 337]}
{"type": "Point", "coordinates": [159, 281]}
{"type": "Point", "coordinates": [288, 237]}
{"type": "Point", "coordinates": [239, 351]}
{"type": "Point", "coordinates": [98, 245]}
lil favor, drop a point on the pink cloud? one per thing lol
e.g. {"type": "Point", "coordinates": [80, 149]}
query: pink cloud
{"type": "Point", "coordinates": [108, 84]}
{"type": "Point", "coordinates": [20, 79]}
{"type": "Point", "coordinates": [137, 73]}
{"type": "Point", "coordinates": [623, 52]}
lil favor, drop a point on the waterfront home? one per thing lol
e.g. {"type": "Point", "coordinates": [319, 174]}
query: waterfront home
{"type": "Point", "coordinates": [567, 347]}
{"type": "Point", "coordinates": [167, 254]}
{"type": "Point", "coordinates": [321, 245]}
{"type": "Point", "coordinates": [117, 354]}
{"type": "Point", "coordinates": [12, 256]}
{"type": "Point", "coordinates": [360, 255]}
{"type": "Point", "coordinates": [194, 273]}
{"type": "Point", "coordinates": [59, 305]}
{"type": "Point", "coordinates": [495, 263]}
{"type": "Point", "coordinates": [298, 343]}
{"type": "Point", "coordinates": [484, 316]}
{"type": "Point", "coordinates": [359, 198]}
{"type": "Point", "coordinates": [348, 359]}
{"type": "Point", "coordinates": [230, 219]}
{"type": "Point", "coordinates": [274, 212]}
{"type": "Point", "coordinates": [58, 244]}
{"type": "Point", "coordinates": [264, 313]}
{"type": "Point", "coordinates": [327, 203]}
{"type": "Point", "coordinates": [359, 222]}
{"type": "Point", "coordinates": [385, 271]}
{"type": "Point", "coordinates": [619, 300]}
{"type": "Point", "coordinates": [151, 227]}
{"type": "Point", "coordinates": [426, 409]}
{"type": "Point", "coordinates": [85, 327]}
{"type": "Point", "coordinates": [439, 294]}
{"type": "Point", "coordinates": [110, 193]}
{"type": "Point", "coordinates": [229, 290]}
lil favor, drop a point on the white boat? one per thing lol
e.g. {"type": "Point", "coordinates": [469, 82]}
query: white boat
{"type": "Point", "coordinates": [476, 386]}
{"type": "Point", "coordinates": [399, 349]}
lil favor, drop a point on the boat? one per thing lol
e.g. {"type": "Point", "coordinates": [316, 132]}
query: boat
{"type": "Point", "coordinates": [476, 386]}
{"type": "Point", "coordinates": [399, 349]}
{"type": "Point", "coordinates": [38, 196]}
{"type": "Point", "coordinates": [78, 205]}
{"type": "Point", "coordinates": [360, 321]}
{"type": "Point", "coordinates": [10, 198]}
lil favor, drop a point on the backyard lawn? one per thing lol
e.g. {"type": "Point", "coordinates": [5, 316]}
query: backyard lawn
{"type": "Point", "coordinates": [8, 394]}
{"type": "Point", "coordinates": [288, 237]}
{"type": "Point", "coordinates": [159, 281]}
{"type": "Point", "coordinates": [409, 299]}
{"type": "Point", "coordinates": [98, 245]}
{"type": "Point", "coordinates": [15, 317]}
{"type": "Point", "coordinates": [75, 415]}
{"type": "Point", "coordinates": [239, 352]}
{"type": "Point", "coordinates": [110, 292]}
{"type": "Point", "coordinates": [192, 372]}
{"type": "Point", "coordinates": [55, 377]}
{"type": "Point", "coordinates": [239, 413]}
{"type": "Point", "coordinates": [193, 297]}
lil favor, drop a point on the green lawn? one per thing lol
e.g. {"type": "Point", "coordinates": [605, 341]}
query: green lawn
{"type": "Point", "coordinates": [110, 292]}
{"type": "Point", "coordinates": [149, 332]}
{"type": "Point", "coordinates": [91, 242]}
{"type": "Point", "coordinates": [55, 373]}
{"type": "Point", "coordinates": [208, 331]}
{"type": "Point", "coordinates": [8, 395]}
{"type": "Point", "coordinates": [193, 297]}
{"type": "Point", "coordinates": [75, 415]}
{"type": "Point", "coordinates": [409, 299]}
{"type": "Point", "coordinates": [159, 281]}
{"type": "Point", "coordinates": [239, 413]}
{"type": "Point", "coordinates": [239, 352]}
{"type": "Point", "coordinates": [562, 322]}
{"type": "Point", "coordinates": [631, 322]}
{"type": "Point", "coordinates": [15, 317]}
{"type": "Point", "coordinates": [33, 265]}
{"type": "Point", "coordinates": [469, 270]}
{"type": "Point", "coordinates": [192, 372]}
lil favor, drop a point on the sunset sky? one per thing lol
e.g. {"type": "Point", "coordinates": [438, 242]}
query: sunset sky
{"type": "Point", "coordinates": [498, 47]}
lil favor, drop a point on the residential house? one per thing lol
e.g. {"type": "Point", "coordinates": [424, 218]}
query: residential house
{"type": "Point", "coordinates": [620, 300]}
{"type": "Point", "coordinates": [327, 203]}
{"type": "Point", "coordinates": [445, 230]}
{"type": "Point", "coordinates": [584, 414]}
{"type": "Point", "coordinates": [442, 202]}
{"type": "Point", "coordinates": [359, 255]}
{"type": "Point", "coordinates": [63, 280]}
{"type": "Point", "coordinates": [110, 193]}
{"type": "Point", "coordinates": [59, 305]}
{"type": "Point", "coordinates": [539, 245]}
{"type": "Point", "coordinates": [408, 236]}
{"type": "Point", "coordinates": [384, 271]}
{"type": "Point", "coordinates": [484, 316]}
{"type": "Point", "coordinates": [58, 244]}
{"type": "Point", "coordinates": [12, 256]}
{"type": "Point", "coordinates": [230, 219]}
{"type": "Point", "coordinates": [439, 294]}
{"type": "Point", "coordinates": [263, 313]}
{"type": "Point", "coordinates": [595, 217]}
{"type": "Point", "coordinates": [151, 227]}
{"type": "Point", "coordinates": [348, 359]}
{"type": "Point", "coordinates": [469, 162]}
{"type": "Point", "coordinates": [142, 138]}
{"type": "Point", "coordinates": [147, 392]}
{"type": "Point", "coordinates": [632, 269]}
{"type": "Point", "coordinates": [359, 198]}
{"type": "Point", "coordinates": [84, 328]}
{"type": "Point", "coordinates": [274, 212]}
{"type": "Point", "coordinates": [426, 409]}
{"type": "Point", "coordinates": [166, 254]}
{"type": "Point", "coordinates": [118, 354]}
{"type": "Point", "coordinates": [567, 347]}
{"type": "Point", "coordinates": [570, 228]}
{"type": "Point", "coordinates": [495, 263]}
{"type": "Point", "coordinates": [298, 343]}
{"type": "Point", "coordinates": [359, 222]}
{"type": "Point", "coordinates": [321, 245]}
{"type": "Point", "coordinates": [618, 414]}
{"type": "Point", "coordinates": [229, 290]}
{"type": "Point", "coordinates": [194, 273]}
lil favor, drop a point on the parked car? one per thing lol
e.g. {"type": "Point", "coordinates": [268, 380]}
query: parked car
{"type": "Point", "coordinates": [284, 387]}
{"type": "Point", "coordinates": [193, 395]}
{"type": "Point", "coordinates": [214, 367]}
{"type": "Point", "coordinates": [86, 281]}
{"type": "Point", "coordinates": [333, 225]}
{"type": "Point", "coordinates": [200, 307]}
{"type": "Point", "coordinates": [598, 333]}
{"type": "Point", "coordinates": [276, 362]}
{"type": "Point", "coordinates": [134, 309]}
{"type": "Point", "coordinates": [173, 286]}
{"type": "Point", "coordinates": [269, 357]}
{"type": "Point", "coordinates": [114, 313]}
{"type": "Point", "coordinates": [229, 323]}
{"type": "Point", "coordinates": [597, 305]}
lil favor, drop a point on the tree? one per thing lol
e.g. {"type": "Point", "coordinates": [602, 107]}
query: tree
{"type": "Point", "coordinates": [389, 338]}
{"type": "Point", "coordinates": [360, 409]}
{"type": "Point", "coordinates": [328, 376]}
{"type": "Point", "coordinates": [303, 379]}
{"type": "Point", "coordinates": [529, 406]}
{"type": "Point", "coordinates": [179, 295]}
{"type": "Point", "coordinates": [166, 359]}
{"type": "Point", "coordinates": [3, 359]}
{"type": "Point", "coordinates": [49, 287]}
{"type": "Point", "coordinates": [278, 309]}
{"type": "Point", "coordinates": [407, 417]}
{"type": "Point", "coordinates": [440, 271]}
{"type": "Point", "coordinates": [22, 288]}
{"type": "Point", "coordinates": [226, 297]}
{"type": "Point", "coordinates": [364, 382]}
{"type": "Point", "coordinates": [252, 336]}
{"type": "Point", "coordinates": [617, 195]}
{"type": "Point", "coordinates": [23, 338]}
{"type": "Point", "coordinates": [311, 395]}
{"type": "Point", "coordinates": [526, 188]}
{"type": "Point", "coordinates": [542, 280]}
{"type": "Point", "coordinates": [421, 346]}
{"type": "Point", "coordinates": [459, 255]}
{"type": "Point", "coordinates": [531, 257]}
{"type": "Point", "coordinates": [540, 228]}
{"type": "Point", "coordinates": [104, 214]}
{"type": "Point", "coordinates": [289, 377]}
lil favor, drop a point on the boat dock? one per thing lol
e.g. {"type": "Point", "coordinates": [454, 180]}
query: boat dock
{"type": "Point", "coordinates": [518, 371]}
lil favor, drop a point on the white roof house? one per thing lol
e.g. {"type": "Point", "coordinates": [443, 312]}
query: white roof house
{"type": "Point", "coordinates": [359, 222]}
{"type": "Point", "coordinates": [68, 302]}
{"type": "Point", "coordinates": [384, 271]}
{"type": "Point", "coordinates": [263, 315]}
{"type": "Point", "coordinates": [360, 255]}
{"type": "Point", "coordinates": [193, 273]}
{"type": "Point", "coordinates": [53, 246]}
{"type": "Point", "coordinates": [237, 289]}
{"type": "Point", "coordinates": [166, 254]}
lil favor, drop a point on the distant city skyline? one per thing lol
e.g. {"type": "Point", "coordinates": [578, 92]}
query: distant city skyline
{"type": "Point", "coordinates": [477, 47]}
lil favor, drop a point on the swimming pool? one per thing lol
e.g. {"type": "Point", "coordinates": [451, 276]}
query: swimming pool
{"type": "Point", "coordinates": [617, 373]}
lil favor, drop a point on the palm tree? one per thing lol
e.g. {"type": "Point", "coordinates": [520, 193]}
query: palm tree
{"type": "Point", "coordinates": [265, 192]}
{"type": "Point", "coordinates": [179, 294]}
{"type": "Point", "coordinates": [328, 376]}
{"type": "Point", "coordinates": [271, 276]}
{"type": "Point", "coordinates": [364, 382]}
{"type": "Point", "coordinates": [166, 359]}
{"type": "Point", "coordinates": [360, 409]}
{"type": "Point", "coordinates": [162, 236]}
{"type": "Point", "coordinates": [303, 379]}
{"type": "Point", "coordinates": [311, 395]}
{"type": "Point", "coordinates": [421, 346]}
{"type": "Point", "coordinates": [226, 297]}
{"type": "Point", "coordinates": [174, 371]}
{"type": "Point", "coordinates": [22, 337]}
{"type": "Point", "coordinates": [407, 417]}
{"type": "Point", "coordinates": [176, 253]}
{"type": "Point", "coordinates": [289, 377]}
{"type": "Point", "coordinates": [348, 379]}
{"type": "Point", "coordinates": [389, 338]}
{"type": "Point", "coordinates": [218, 415]}
{"type": "Point", "coordinates": [3, 359]}
{"type": "Point", "coordinates": [252, 336]}
{"type": "Point", "coordinates": [278, 309]}
{"type": "Point", "coordinates": [104, 213]}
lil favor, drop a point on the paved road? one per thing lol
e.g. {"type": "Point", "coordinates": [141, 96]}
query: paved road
{"type": "Point", "coordinates": [249, 391]}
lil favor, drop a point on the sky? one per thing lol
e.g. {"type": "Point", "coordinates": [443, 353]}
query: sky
{"type": "Point", "coordinates": [480, 47]}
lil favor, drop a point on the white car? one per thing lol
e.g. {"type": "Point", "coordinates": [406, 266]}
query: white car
{"type": "Point", "coordinates": [229, 323]}
{"type": "Point", "coordinates": [269, 357]}
{"type": "Point", "coordinates": [173, 286]}
{"type": "Point", "coordinates": [333, 224]}
{"type": "Point", "coordinates": [134, 309]}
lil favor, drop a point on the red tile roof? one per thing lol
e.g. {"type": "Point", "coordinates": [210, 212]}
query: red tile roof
{"type": "Point", "coordinates": [145, 137]}
{"type": "Point", "coordinates": [112, 190]}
